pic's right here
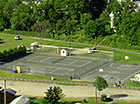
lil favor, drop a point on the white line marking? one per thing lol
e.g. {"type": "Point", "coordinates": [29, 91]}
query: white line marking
{"type": "Point", "coordinates": [73, 62]}
{"type": "Point", "coordinates": [123, 66]}
{"type": "Point", "coordinates": [129, 76]}
{"type": "Point", "coordinates": [120, 66]}
{"type": "Point", "coordinates": [67, 72]}
{"type": "Point", "coordinates": [54, 70]}
{"type": "Point", "coordinates": [85, 64]}
{"type": "Point", "coordinates": [13, 65]}
{"type": "Point", "coordinates": [32, 58]}
{"type": "Point", "coordinates": [44, 59]}
{"type": "Point", "coordinates": [68, 64]}
{"type": "Point", "coordinates": [87, 75]}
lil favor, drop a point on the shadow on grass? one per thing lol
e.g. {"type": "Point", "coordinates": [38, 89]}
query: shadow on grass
{"type": "Point", "coordinates": [108, 100]}
{"type": "Point", "coordinates": [2, 42]}
{"type": "Point", "coordinates": [118, 96]}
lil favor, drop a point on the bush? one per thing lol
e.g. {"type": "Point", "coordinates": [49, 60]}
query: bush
{"type": "Point", "coordinates": [5, 52]}
{"type": "Point", "coordinates": [53, 95]}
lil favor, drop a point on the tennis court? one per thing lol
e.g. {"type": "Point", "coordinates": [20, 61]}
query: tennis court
{"type": "Point", "coordinates": [113, 72]}
{"type": "Point", "coordinates": [76, 67]}
{"type": "Point", "coordinates": [54, 65]}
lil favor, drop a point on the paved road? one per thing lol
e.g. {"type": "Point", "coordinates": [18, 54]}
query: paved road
{"type": "Point", "coordinates": [37, 90]}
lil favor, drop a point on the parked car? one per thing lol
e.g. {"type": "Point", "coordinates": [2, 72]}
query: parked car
{"type": "Point", "coordinates": [17, 37]}
{"type": "Point", "coordinates": [31, 48]}
{"type": "Point", "coordinates": [135, 79]}
{"type": "Point", "coordinates": [35, 44]}
{"type": "Point", "coordinates": [103, 97]}
{"type": "Point", "coordinates": [92, 50]}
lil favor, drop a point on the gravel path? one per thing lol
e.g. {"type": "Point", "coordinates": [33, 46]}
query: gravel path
{"type": "Point", "coordinates": [37, 90]}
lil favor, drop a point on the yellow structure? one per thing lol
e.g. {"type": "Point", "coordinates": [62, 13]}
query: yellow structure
{"type": "Point", "coordinates": [18, 69]}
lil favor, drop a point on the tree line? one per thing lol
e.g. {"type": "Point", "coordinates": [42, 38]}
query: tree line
{"type": "Point", "coordinates": [85, 21]}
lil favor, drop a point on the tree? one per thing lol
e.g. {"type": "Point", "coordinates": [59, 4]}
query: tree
{"type": "Point", "coordinates": [95, 28]}
{"type": "Point", "coordinates": [129, 28]}
{"type": "Point", "coordinates": [40, 27]}
{"type": "Point", "coordinates": [100, 84]}
{"type": "Point", "coordinates": [22, 18]}
{"type": "Point", "coordinates": [9, 8]}
{"type": "Point", "coordinates": [96, 7]}
{"type": "Point", "coordinates": [84, 18]}
{"type": "Point", "coordinates": [3, 22]}
{"type": "Point", "coordinates": [53, 95]}
{"type": "Point", "coordinates": [119, 9]}
{"type": "Point", "coordinates": [40, 11]}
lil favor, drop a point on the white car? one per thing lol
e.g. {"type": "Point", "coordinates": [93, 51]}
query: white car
{"type": "Point", "coordinates": [135, 79]}
{"type": "Point", "coordinates": [35, 44]}
{"type": "Point", "coordinates": [92, 50]}
{"type": "Point", "coordinates": [17, 37]}
{"type": "Point", "coordinates": [30, 48]}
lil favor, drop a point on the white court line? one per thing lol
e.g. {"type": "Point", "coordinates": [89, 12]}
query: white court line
{"type": "Point", "coordinates": [54, 70]}
{"type": "Point", "coordinates": [87, 75]}
{"type": "Point", "coordinates": [68, 64]}
{"type": "Point", "coordinates": [73, 62]}
{"type": "Point", "coordinates": [130, 76]}
{"type": "Point", "coordinates": [67, 72]}
{"type": "Point", "coordinates": [119, 67]}
{"type": "Point", "coordinates": [13, 65]}
{"type": "Point", "coordinates": [44, 59]}
{"type": "Point", "coordinates": [32, 58]}
{"type": "Point", "coordinates": [111, 65]}
{"type": "Point", "coordinates": [85, 64]}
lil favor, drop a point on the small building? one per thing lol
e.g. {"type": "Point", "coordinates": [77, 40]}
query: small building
{"type": "Point", "coordinates": [21, 100]}
{"type": "Point", "coordinates": [64, 52]}
{"type": "Point", "coordinates": [10, 94]}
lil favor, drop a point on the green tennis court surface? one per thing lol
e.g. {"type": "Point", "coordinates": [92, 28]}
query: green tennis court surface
{"type": "Point", "coordinates": [113, 72]}
{"type": "Point", "coordinates": [77, 67]}
{"type": "Point", "coordinates": [54, 65]}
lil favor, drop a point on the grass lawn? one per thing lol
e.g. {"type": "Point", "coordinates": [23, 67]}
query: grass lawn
{"type": "Point", "coordinates": [8, 42]}
{"type": "Point", "coordinates": [90, 100]}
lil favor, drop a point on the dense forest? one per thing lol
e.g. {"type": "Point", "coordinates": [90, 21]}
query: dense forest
{"type": "Point", "coordinates": [85, 21]}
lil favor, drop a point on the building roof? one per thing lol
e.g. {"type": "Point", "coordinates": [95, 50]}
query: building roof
{"type": "Point", "coordinates": [11, 91]}
{"type": "Point", "coordinates": [21, 100]}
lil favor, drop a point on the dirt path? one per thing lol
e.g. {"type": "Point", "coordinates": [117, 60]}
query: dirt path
{"type": "Point", "coordinates": [38, 89]}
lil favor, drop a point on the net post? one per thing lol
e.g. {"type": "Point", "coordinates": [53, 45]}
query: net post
{"type": "Point", "coordinates": [57, 49]}
{"type": "Point", "coordinates": [73, 74]}
{"type": "Point", "coordinates": [29, 69]}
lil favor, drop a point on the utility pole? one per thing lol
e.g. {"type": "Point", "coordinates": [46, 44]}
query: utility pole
{"type": "Point", "coordinates": [95, 96]}
{"type": "Point", "coordinates": [4, 91]}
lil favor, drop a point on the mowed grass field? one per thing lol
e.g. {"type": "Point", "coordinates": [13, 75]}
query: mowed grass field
{"type": "Point", "coordinates": [9, 42]}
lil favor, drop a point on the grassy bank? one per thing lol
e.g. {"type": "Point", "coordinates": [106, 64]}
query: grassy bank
{"type": "Point", "coordinates": [9, 42]}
